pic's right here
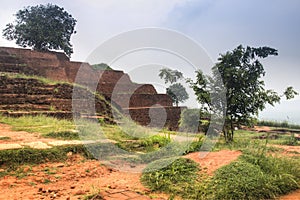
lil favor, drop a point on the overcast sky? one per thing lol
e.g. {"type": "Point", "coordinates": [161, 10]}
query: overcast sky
{"type": "Point", "coordinates": [217, 25]}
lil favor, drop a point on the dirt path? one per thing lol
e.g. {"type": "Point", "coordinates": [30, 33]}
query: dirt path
{"type": "Point", "coordinates": [214, 160]}
{"type": "Point", "coordinates": [20, 139]}
{"type": "Point", "coordinates": [77, 177]}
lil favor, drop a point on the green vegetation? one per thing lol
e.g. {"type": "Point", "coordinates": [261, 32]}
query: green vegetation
{"type": "Point", "coordinates": [190, 121]}
{"type": "Point", "coordinates": [252, 176]}
{"type": "Point", "coordinates": [176, 178]}
{"type": "Point", "coordinates": [43, 27]}
{"type": "Point", "coordinates": [4, 138]}
{"type": "Point", "coordinates": [176, 91]}
{"type": "Point", "coordinates": [237, 85]}
{"type": "Point", "coordinates": [149, 144]}
{"type": "Point", "coordinates": [101, 66]}
{"type": "Point", "coordinates": [38, 78]}
{"type": "Point", "coordinates": [12, 159]}
{"type": "Point", "coordinates": [40, 124]}
{"type": "Point", "coordinates": [64, 135]}
{"type": "Point", "coordinates": [278, 124]}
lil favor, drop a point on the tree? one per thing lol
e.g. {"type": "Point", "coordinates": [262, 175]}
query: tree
{"type": "Point", "coordinates": [241, 72]}
{"type": "Point", "coordinates": [169, 75]}
{"type": "Point", "coordinates": [43, 27]}
{"type": "Point", "coordinates": [177, 93]}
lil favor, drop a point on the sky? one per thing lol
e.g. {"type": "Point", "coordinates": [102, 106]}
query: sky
{"type": "Point", "coordinates": [217, 25]}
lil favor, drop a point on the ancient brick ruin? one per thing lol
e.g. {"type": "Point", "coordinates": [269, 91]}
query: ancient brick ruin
{"type": "Point", "coordinates": [139, 101]}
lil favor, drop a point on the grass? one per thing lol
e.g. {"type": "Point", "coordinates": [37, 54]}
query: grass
{"type": "Point", "coordinates": [175, 179]}
{"type": "Point", "coordinates": [13, 158]}
{"type": "Point", "coordinates": [256, 177]}
{"type": "Point", "coordinates": [48, 126]}
{"type": "Point", "coordinates": [244, 140]}
{"type": "Point", "coordinates": [64, 135]}
{"type": "Point", "coordinates": [4, 138]}
{"type": "Point", "coordinates": [39, 78]}
{"type": "Point", "coordinates": [101, 66]}
{"type": "Point", "coordinates": [252, 176]}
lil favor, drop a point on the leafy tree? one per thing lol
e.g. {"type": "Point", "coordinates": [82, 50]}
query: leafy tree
{"type": "Point", "coordinates": [178, 93]}
{"type": "Point", "coordinates": [42, 27]}
{"type": "Point", "coordinates": [169, 75]}
{"type": "Point", "coordinates": [241, 72]}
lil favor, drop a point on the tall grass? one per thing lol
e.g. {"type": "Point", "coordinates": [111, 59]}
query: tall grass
{"type": "Point", "coordinates": [253, 176]}
{"type": "Point", "coordinates": [38, 124]}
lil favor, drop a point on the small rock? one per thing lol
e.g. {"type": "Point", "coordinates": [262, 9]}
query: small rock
{"type": "Point", "coordinates": [72, 186]}
{"type": "Point", "coordinates": [80, 192]}
{"type": "Point", "coordinates": [112, 186]}
{"type": "Point", "coordinates": [26, 169]}
{"type": "Point", "coordinates": [60, 165]}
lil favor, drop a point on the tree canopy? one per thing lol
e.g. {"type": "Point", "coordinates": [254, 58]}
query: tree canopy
{"type": "Point", "coordinates": [241, 72]}
{"type": "Point", "coordinates": [176, 91]}
{"type": "Point", "coordinates": [169, 75]}
{"type": "Point", "coordinates": [43, 27]}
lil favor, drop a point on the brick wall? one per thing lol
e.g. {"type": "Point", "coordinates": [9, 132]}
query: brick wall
{"type": "Point", "coordinates": [114, 85]}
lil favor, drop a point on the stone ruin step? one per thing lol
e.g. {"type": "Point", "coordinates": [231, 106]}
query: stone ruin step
{"type": "Point", "coordinates": [25, 107]}
{"type": "Point", "coordinates": [56, 114]}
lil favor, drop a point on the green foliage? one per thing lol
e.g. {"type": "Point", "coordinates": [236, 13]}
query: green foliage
{"type": "Point", "coordinates": [251, 177]}
{"type": "Point", "coordinates": [173, 178]}
{"type": "Point", "coordinates": [290, 93]}
{"type": "Point", "coordinates": [146, 145]}
{"type": "Point", "coordinates": [292, 140]}
{"type": "Point", "coordinates": [241, 73]}
{"type": "Point", "coordinates": [43, 27]}
{"type": "Point", "coordinates": [11, 159]}
{"type": "Point", "coordinates": [242, 180]}
{"type": "Point", "coordinates": [169, 75]}
{"type": "Point", "coordinates": [101, 66]}
{"type": "Point", "coordinates": [65, 135]}
{"type": "Point", "coordinates": [159, 141]}
{"type": "Point", "coordinates": [256, 177]}
{"type": "Point", "coordinates": [190, 121]}
{"type": "Point", "coordinates": [39, 78]}
{"type": "Point", "coordinates": [4, 138]}
{"type": "Point", "coordinates": [38, 124]}
{"type": "Point", "coordinates": [177, 93]}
